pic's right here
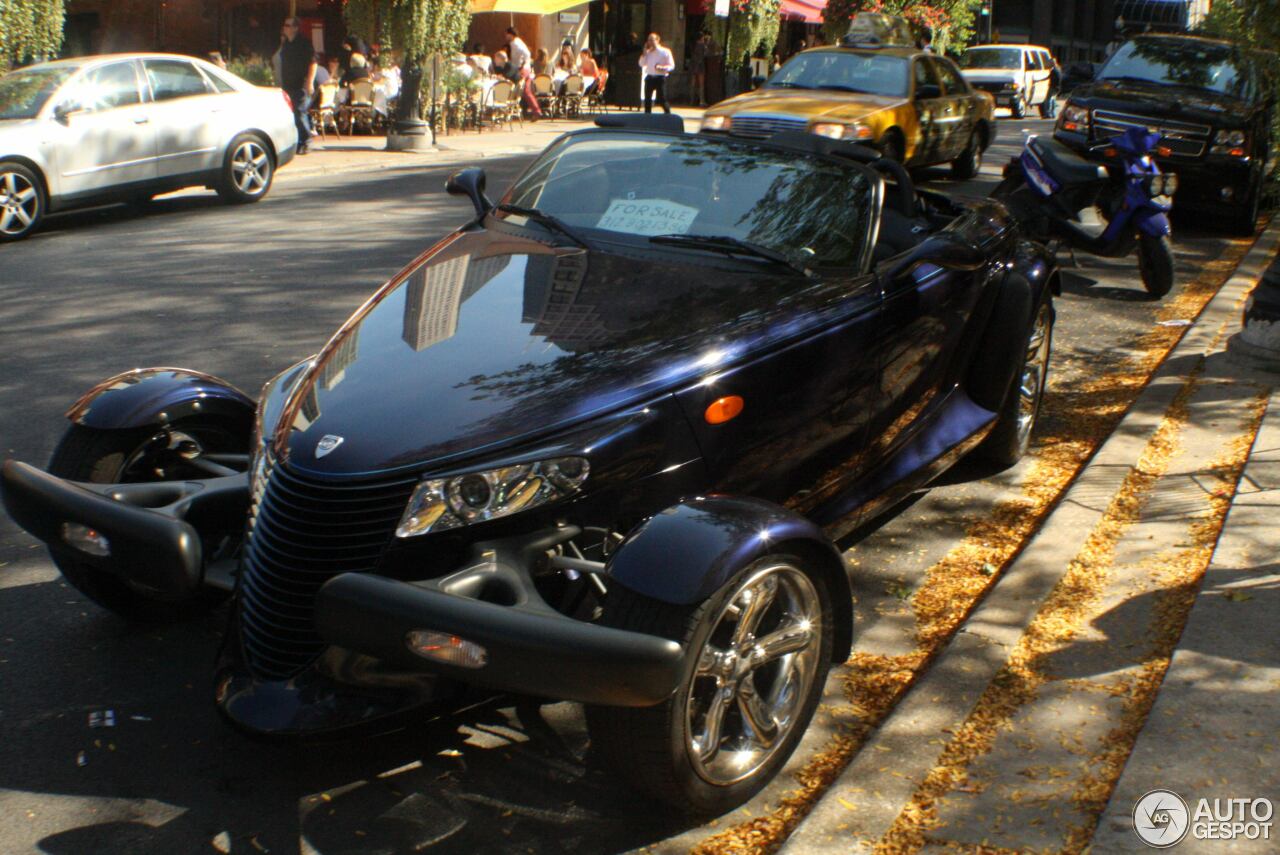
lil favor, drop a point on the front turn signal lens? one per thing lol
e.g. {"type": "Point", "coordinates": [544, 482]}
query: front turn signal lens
{"type": "Point", "coordinates": [723, 409]}
{"type": "Point", "coordinates": [90, 541]}
{"type": "Point", "coordinates": [446, 649]}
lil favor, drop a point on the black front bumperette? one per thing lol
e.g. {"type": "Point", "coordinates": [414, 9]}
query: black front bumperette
{"type": "Point", "coordinates": [150, 539]}
{"type": "Point", "coordinates": [530, 648]}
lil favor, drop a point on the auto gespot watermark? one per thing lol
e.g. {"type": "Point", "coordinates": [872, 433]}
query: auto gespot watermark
{"type": "Point", "coordinates": [1162, 819]}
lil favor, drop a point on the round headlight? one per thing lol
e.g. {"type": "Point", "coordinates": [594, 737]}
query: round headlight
{"type": "Point", "coordinates": [474, 491]}
{"type": "Point", "coordinates": [716, 123]}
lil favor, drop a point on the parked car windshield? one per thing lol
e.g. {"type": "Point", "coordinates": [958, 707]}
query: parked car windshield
{"type": "Point", "coordinates": [1180, 62]}
{"type": "Point", "coordinates": [992, 58]}
{"type": "Point", "coordinates": [846, 71]}
{"type": "Point", "coordinates": [635, 186]}
{"type": "Point", "coordinates": [24, 92]}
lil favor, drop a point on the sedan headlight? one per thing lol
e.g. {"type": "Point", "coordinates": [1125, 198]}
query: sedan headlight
{"type": "Point", "coordinates": [1074, 118]}
{"type": "Point", "coordinates": [840, 131]}
{"type": "Point", "coordinates": [443, 503]}
{"type": "Point", "coordinates": [716, 123]}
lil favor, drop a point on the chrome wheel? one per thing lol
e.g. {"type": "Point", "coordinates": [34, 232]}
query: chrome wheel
{"type": "Point", "coordinates": [251, 168]}
{"type": "Point", "coordinates": [753, 673]}
{"type": "Point", "coordinates": [1034, 371]}
{"type": "Point", "coordinates": [19, 203]}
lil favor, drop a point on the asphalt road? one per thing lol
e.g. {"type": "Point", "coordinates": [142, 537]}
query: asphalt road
{"type": "Point", "coordinates": [242, 292]}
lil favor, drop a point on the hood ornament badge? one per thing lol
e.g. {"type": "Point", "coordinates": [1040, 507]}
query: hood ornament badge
{"type": "Point", "coordinates": [327, 443]}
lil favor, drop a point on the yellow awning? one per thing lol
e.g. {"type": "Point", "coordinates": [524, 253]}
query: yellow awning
{"type": "Point", "coordinates": [524, 7]}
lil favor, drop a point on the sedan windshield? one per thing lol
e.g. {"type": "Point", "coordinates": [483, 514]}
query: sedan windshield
{"type": "Point", "coordinates": [721, 196]}
{"type": "Point", "coordinates": [845, 71]}
{"type": "Point", "coordinates": [24, 92]}
{"type": "Point", "coordinates": [992, 58]}
{"type": "Point", "coordinates": [1175, 62]}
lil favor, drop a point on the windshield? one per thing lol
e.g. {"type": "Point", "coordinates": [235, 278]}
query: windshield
{"type": "Point", "coordinates": [992, 58]}
{"type": "Point", "coordinates": [850, 72]}
{"type": "Point", "coordinates": [635, 187]}
{"type": "Point", "coordinates": [24, 92]}
{"type": "Point", "coordinates": [1172, 62]}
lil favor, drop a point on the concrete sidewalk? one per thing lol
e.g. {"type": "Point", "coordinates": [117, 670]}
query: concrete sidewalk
{"type": "Point", "coordinates": [367, 153]}
{"type": "Point", "coordinates": [1073, 689]}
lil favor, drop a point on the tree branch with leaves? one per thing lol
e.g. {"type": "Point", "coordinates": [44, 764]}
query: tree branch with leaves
{"type": "Point", "coordinates": [29, 29]}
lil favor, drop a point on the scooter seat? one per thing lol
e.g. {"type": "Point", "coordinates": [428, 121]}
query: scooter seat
{"type": "Point", "coordinates": [1063, 163]}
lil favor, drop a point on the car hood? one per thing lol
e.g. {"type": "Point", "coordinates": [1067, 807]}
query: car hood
{"type": "Point", "coordinates": [492, 339]}
{"type": "Point", "coordinates": [1168, 102]}
{"type": "Point", "coordinates": [990, 75]}
{"type": "Point", "coordinates": [808, 104]}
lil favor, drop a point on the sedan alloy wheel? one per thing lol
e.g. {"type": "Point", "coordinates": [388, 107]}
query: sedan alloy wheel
{"type": "Point", "coordinates": [20, 202]}
{"type": "Point", "coordinates": [251, 166]}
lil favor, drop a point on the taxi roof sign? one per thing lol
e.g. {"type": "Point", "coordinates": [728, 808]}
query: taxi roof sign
{"type": "Point", "coordinates": [876, 29]}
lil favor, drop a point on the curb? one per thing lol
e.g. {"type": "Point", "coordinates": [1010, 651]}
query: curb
{"type": "Point", "coordinates": [862, 804]}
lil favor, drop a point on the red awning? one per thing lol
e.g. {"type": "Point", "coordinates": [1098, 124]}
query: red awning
{"type": "Point", "coordinates": [809, 11]}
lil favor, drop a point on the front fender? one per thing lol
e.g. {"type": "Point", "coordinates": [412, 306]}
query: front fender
{"type": "Point", "coordinates": [158, 396]}
{"type": "Point", "coordinates": [1152, 221]}
{"type": "Point", "coordinates": [687, 552]}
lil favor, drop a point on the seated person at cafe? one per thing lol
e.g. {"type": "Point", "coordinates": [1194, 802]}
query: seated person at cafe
{"type": "Point", "coordinates": [322, 73]}
{"type": "Point", "coordinates": [331, 66]}
{"type": "Point", "coordinates": [388, 76]}
{"type": "Point", "coordinates": [359, 70]}
{"type": "Point", "coordinates": [566, 62]}
{"type": "Point", "coordinates": [482, 60]}
{"type": "Point", "coordinates": [588, 67]}
{"type": "Point", "coordinates": [542, 62]}
{"type": "Point", "coordinates": [504, 67]}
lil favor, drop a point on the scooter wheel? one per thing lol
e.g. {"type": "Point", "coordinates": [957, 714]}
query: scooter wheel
{"type": "Point", "coordinates": [1155, 263]}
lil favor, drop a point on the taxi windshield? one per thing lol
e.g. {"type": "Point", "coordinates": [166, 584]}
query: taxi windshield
{"type": "Point", "coordinates": [992, 58]}
{"type": "Point", "coordinates": [24, 92]}
{"type": "Point", "coordinates": [844, 71]}
{"type": "Point", "coordinates": [636, 187]}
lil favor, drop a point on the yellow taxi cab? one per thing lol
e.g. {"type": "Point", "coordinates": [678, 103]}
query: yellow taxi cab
{"type": "Point", "coordinates": [914, 105]}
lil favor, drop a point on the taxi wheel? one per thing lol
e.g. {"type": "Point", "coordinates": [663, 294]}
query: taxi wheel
{"type": "Point", "coordinates": [893, 146]}
{"type": "Point", "coordinates": [969, 162]}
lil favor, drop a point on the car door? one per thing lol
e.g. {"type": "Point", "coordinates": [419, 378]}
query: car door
{"type": "Point", "coordinates": [956, 112]}
{"type": "Point", "coordinates": [186, 111]}
{"type": "Point", "coordinates": [928, 101]}
{"type": "Point", "coordinates": [802, 428]}
{"type": "Point", "coordinates": [102, 134]}
{"type": "Point", "coordinates": [1037, 78]}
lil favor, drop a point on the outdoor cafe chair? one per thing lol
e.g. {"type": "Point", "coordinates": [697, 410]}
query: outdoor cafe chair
{"type": "Point", "coordinates": [544, 90]}
{"type": "Point", "coordinates": [498, 108]}
{"type": "Point", "coordinates": [571, 94]}
{"type": "Point", "coordinates": [325, 111]}
{"type": "Point", "coordinates": [359, 107]}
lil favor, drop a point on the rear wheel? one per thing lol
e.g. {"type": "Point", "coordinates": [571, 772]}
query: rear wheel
{"type": "Point", "coordinates": [22, 201]}
{"type": "Point", "coordinates": [1155, 263]}
{"type": "Point", "coordinates": [247, 170]}
{"type": "Point", "coordinates": [758, 652]}
{"type": "Point", "coordinates": [137, 455]}
{"type": "Point", "coordinates": [1011, 436]}
{"type": "Point", "coordinates": [970, 160]}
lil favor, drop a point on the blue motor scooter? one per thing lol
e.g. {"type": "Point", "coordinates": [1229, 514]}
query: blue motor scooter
{"type": "Point", "coordinates": [1048, 185]}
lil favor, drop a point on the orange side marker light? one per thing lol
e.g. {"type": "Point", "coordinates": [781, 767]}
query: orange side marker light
{"type": "Point", "coordinates": [723, 409]}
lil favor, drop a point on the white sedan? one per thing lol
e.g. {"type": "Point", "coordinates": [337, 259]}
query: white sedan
{"type": "Point", "coordinates": [126, 127]}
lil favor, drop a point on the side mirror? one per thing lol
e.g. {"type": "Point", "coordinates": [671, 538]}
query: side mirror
{"type": "Point", "coordinates": [1082, 70]}
{"type": "Point", "coordinates": [470, 183]}
{"type": "Point", "coordinates": [926, 91]}
{"type": "Point", "coordinates": [943, 251]}
{"type": "Point", "coordinates": [64, 111]}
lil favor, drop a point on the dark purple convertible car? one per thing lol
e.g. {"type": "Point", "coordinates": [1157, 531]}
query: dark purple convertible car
{"type": "Point", "coordinates": [594, 445]}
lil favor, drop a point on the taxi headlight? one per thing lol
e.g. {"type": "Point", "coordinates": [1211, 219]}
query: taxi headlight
{"type": "Point", "coordinates": [840, 131]}
{"type": "Point", "coordinates": [438, 504]}
{"type": "Point", "coordinates": [716, 123]}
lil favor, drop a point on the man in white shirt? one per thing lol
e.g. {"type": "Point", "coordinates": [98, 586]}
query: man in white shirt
{"type": "Point", "coordinates": [517, 49]}
{"type": "Point", "coordinates": [656, 62]}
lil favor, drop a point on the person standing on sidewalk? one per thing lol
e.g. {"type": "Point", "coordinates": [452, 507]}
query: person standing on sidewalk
{"type": "Point", "coordinates": [698, 68]}
{"type": "Point", "coordinates": [297, 77]}
{"type": "Point", "coordinates": [657, 63]}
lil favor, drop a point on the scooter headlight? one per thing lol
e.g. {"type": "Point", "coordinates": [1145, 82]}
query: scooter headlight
{"type": "Point", "coordinates": [444, 503]}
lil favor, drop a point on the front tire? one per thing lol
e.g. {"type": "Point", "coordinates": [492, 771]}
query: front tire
{"type": "Point", "coordinates": [1155, 263]}
{"type": "Point", "coordinates": [1018, 108]}
{"type": "Point", "coordinates": [1011, 437]}
{"type": "Point", "coordinates": [248, 170]}
{"type": "Point", "coordinates": [22, 201]}
{"type": "Point", "coordinates": [758, 652]}
{"type": "Point", "coordinates": [1245, 222]}
{"type": "Point", "coordinates": [137, 455]}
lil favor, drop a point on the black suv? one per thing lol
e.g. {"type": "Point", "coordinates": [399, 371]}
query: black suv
{"type": "Point", "coordinates": [1211, 104]}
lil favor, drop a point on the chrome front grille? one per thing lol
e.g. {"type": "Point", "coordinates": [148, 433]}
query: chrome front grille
{"type": "Point", "coordinates": [759, 127]}
{"type": "Point", "coordinates": [302, 533]}
{"type": "Point", "coordinates": [1185, 139]}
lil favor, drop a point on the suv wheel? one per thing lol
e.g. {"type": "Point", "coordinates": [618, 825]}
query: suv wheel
{"type": "Point", "coordinates": [1245, 220]}
{"type": "Point", "coordinates": [22, 201]}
